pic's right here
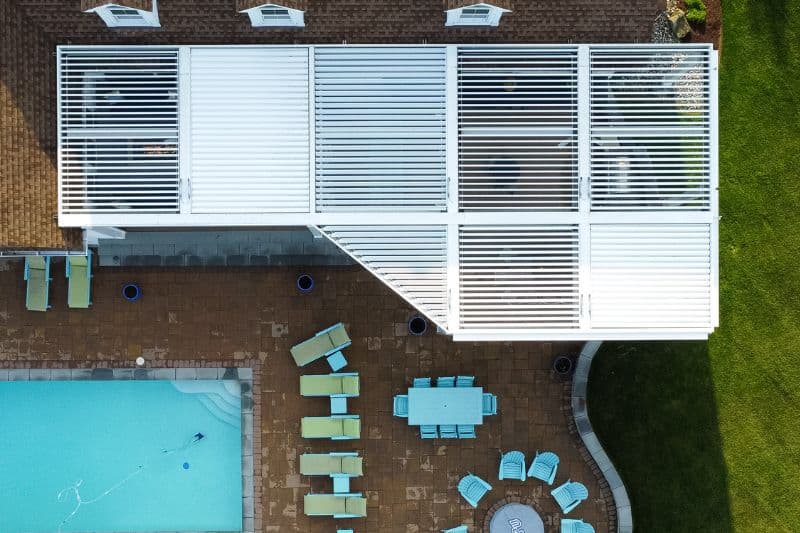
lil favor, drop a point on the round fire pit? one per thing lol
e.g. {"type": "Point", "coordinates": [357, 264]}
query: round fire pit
{"type": "Point", "coordinates": [516, 518]}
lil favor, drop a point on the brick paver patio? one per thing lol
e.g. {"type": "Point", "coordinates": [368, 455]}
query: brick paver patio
{"type": "Point", "coordinates": [231, 314]}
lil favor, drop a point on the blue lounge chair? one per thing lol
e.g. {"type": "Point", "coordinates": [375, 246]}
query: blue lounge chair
{"type": "Point", "coordinates": [429, 432]}
{"type": "Point", "coordinates": [544, 467]}
{"type": "Point", "coordinates": [401, 405]}
{"type": "Point", "coordinates": [448, 431]}
{"type": "Point", "coordinates": [466, 431]}
{"type": "Point", "coordinates": [457, 529]}
{"type": "Point", "coordinates": [489, 404]}
{"type": "Point", "coordinates": [422, 382]}
{"type": "Point", "coordinates": [465, 381]}
{"type": "Point", "coordinates": [37, 274]}
{"type": "Point", "coordinates": [448, 381]}
{"type": "Point", "coordinates": [569, 495]}
{"type": "Point", "coordinates": [575, 526]}
{"type": "Point", "coordinates": [512, 466]}
{"type": "Point", "coordinates": [473, 488]}
{"type": "Point", "coordinates": [79, 281]}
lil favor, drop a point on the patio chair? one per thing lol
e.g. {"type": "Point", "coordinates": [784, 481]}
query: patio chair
{"type": "Point", "coordinates": [422, 383]}
{"type": "Point", "coordinates": [544, 467]}
{"type": "Point", "coordinates": [79, 281]}
{"type": "Point", "coordinates": [458, 529]}
{"type": "Point", "coordinates": [429, 432]}
{"type": "Point", "coordinates": [401, 406]}
{"type": "Point", "coordinates": [473, 488]}
{"type": "Point", "coordinates": [465, 381]}
{"type": "Point", "coordinates": [512, 466]}
{"type": "Point", "coordinates": [326, 342]}
{"type": "Point", "coordinates": [569, 495]}
{"type": "Point", "coordinates": [466, 431]}
{"type": "Point", "coordinates": [330, 385]}
{"type": "Point", "coordinates": [37, 274]}
{"type": "Point", "coordinates": [351, 505]}
{"type": "Point", "coordinates": [335, 427]}
{"type": "Point", "coordinates": [448, 431]}
{"type": "Point", "coordinates": [331, 464]}
{"type": "Point", "coordinates": [448, 381]}
{"type": "Point", "coordinates": [489, 404]}
{"type": "Point", "coordinates": [575, 526]}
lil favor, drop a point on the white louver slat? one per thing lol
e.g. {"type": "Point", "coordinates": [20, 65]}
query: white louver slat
{"type": "Point", "coordinates": [650, 123]}
{"type": "Point", "coordinates": [651, 276]}
{"type": "Point", "coordinates": [519, 277]}
{"type": "Point", "coordinates": [250, 130]}
{"type": "Point", "coordinates": [118, 120]}
{"type": "Point", "coordinates": [412, 260]}
{"type": "Point", "coordinates": [380, 128]}
{"type": "Point", "coordinates": [517, 119]}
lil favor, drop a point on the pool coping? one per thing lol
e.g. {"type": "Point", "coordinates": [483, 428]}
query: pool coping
{"type": "Point", "coordinates": [247, 372]}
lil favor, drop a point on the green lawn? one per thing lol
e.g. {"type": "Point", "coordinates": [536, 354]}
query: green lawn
{"type": "Point", "coordinates": [707, 436]}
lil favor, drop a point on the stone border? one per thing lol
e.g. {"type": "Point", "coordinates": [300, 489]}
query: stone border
{"type": "Point", "coordinates": [248, 375]}
{"type": "Point", "coordinates": [583, 427]}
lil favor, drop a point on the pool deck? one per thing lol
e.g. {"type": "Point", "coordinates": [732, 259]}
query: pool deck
{"type": "Point", "coordinates": [251, 316]}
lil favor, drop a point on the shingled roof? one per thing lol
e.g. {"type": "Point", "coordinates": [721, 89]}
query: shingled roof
{"type": "Point", "coordinates": [455, 4]}
{"type": "Point", "coordinates": [31, 29]}
{"type": "Point", "coordinates": [146, 5]}
{"type": "Point", "coordinates": [241, 5]}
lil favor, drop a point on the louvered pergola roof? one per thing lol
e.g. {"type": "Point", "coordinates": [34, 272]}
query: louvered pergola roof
{"type": "Point", "coordinates": [508, 192]}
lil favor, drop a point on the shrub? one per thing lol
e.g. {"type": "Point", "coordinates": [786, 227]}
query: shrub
{"type": "Point", "coordinates": [696, 11]}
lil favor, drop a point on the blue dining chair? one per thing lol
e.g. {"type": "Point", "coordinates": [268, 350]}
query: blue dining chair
{"type": "Point", "coordinates": [489, 404]}
{"type": "Point", "coordinates": [429, 432]}
{"type": "Point", "coordinates": [422, 383]}
{"type": "Point", "coordinates": [448, 431]}
{"type": "Point", "coordinates": [465, 381]}
{"type": "Point", "coordinates": [401, 406]}
{"type": "Point", "coordinates": [448, 381]}
{"type": "Point", "coordinates": [466, 431]}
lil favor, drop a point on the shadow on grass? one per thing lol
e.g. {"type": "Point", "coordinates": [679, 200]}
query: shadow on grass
{"type": "Point", "coordinates": [771, 18]}
{"type": "Point", "coordinates": [652, 405]}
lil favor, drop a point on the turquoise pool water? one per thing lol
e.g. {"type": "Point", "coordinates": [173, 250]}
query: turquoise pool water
{"type": "Point", "coordinates": [102, 456]}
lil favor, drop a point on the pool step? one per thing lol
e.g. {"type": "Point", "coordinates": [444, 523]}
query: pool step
{"type": "Point", "coordinates": [219, 414]}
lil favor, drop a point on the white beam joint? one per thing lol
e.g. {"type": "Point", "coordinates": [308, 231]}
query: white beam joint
{"type": "Point", "coordinates": [185, 128]}
{"type": "Point", "coordinates": [584, 182]}
{"type": "Point", "coordinates": [451, 118]}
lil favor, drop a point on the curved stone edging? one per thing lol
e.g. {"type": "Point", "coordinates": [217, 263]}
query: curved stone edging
{"type": "Point", "coordinates": [590, 440]}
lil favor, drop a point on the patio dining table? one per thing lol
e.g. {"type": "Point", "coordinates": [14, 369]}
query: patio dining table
{"type": "Point", "coordinates": [445, 405]}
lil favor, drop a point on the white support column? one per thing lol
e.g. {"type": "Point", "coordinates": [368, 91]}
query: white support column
{"type": "Point", "coordinates": [312, 134]}
{"type": "Point", "coordinates": [58, 133]}
{"type": "Point", "coordinates": [185, 128]}
{"type": "Point", "coordinates": [713, 99]}
{"type": "Point", "coordinates": [453, 275]}
{"type": "Point", "coordinates": [451, 127]}
{"type": "Point", "coordinates": [584, 183]}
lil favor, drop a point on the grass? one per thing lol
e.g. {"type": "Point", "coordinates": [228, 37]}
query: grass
{"type": "Point", "coordinates": [707, 435]}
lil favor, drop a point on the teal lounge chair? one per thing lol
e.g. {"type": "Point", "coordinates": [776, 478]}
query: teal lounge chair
{"type": "Point", "coordinates": [79, 281]}
{"type": "Point", "coordinates": [458, 529]}
{"type": "Point", "coordinates": [473, 488]}
{"type": "Point", "coordinates": [448, 431]}
{"type": "Point", "coordinates": [326, 342]}
{"type": "Point", "coordinates": [544, 467]}
{"type": "Point", "coordinates": [512, 466]}
{"type": "Point", "coordinates": [448, 381]}
{"type": "Point", "coordinates": [569, 495]}
{"type": "Point", "coordinates": [466, 431]}
{"type": "Point", "coordinates": [429, 432]}
{"type": "Point", "coordinates": [401, 406]}
{"type": "Point", "coordinates": [465, 381]}
{"type": "Point", "coordinates": [37, 274]}
{"type": "Point", "coordinates": [422, 382]}
{"type": "Point", "coordinates": [489, 404]}
{"type": "Point", "coordinates": [575, 526]}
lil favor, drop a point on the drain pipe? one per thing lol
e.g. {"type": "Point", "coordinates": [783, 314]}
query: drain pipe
{"type": "Point", "coordinates": [592, 443]}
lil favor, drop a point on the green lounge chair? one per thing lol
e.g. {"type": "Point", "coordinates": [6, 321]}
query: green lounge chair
{"type": "Point", "coordinates": [512, 466]}
{"type": "Point", "coordinates": [79, 281]}
{"type": "Point", "coordinates": [569, 495]}
{"type": "Point", "coordinates": [37, 274]}
{"type": "Point", "coordinates": [323, 343]}
{"type": "Point", "coordinates": [330, 385]}
{"type": "Point", "coordinates": [336, 427]}
{"type": "Point", "coordinates": [351, 505]}
{"type": "Point", "coordinates": [331, 464]}
{"type": "Point", "coordinates": [575, 526]}
{"type": "Point", "coordinates": [544, 467]}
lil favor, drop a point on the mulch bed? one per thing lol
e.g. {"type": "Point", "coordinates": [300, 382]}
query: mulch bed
{"type": "Point", "coordinates": [711, 31]}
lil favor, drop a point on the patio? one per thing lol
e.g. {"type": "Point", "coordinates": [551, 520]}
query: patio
{"type": "Point", "coordinates": [236, 315]}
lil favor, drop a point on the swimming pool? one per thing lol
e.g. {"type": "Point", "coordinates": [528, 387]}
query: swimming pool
{"type": "Point", "coordinates": [121, 456]}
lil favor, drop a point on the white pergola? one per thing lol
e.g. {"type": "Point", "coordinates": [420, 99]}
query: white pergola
{"type": "Point", "coordinates": [510, 192]}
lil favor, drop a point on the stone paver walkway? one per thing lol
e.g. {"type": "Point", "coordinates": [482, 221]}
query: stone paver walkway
{"type": "Point", "coordinates": [255, 313]}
